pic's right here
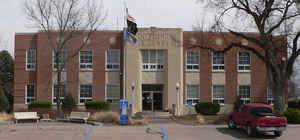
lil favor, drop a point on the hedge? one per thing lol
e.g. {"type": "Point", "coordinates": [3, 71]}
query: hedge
{"type": "Point", "coordinates": [40, 104]}
{"type": "Point", "coordinates": [294, 104]}
{"type": "Point", "coordinates": [207, 108]}
{"type": "Point", "coordinates": [292, 115]}
{"type": "Point", "coordinates": [98, 105]}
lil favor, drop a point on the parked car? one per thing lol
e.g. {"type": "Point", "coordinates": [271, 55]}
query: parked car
{"type": "Point", "coordinates": [257, 118]}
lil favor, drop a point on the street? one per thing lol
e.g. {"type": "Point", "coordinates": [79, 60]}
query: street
{"type": "Point", "coordinates": [71, 131]}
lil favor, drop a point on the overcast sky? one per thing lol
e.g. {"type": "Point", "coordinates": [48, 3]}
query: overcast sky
{"type": "Point", "coordinates": [159, 13]}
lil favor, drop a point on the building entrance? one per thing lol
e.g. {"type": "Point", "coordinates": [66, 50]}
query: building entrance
{"type": "Point", "coordinates": [152, 97]}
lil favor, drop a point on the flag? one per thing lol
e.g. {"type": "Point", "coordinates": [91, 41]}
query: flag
{"type": "Point", "coordinates": [131, 28]}
{"type": "Point", "coordinates": [130, 37]}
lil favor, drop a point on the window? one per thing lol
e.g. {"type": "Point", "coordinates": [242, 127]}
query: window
{"type": "Point", "coordinates": [113, 59]}
{"type": "Point", "coordinates": [113, 93]}
{"type": "Point", "coordinates": [192, 60]}
{"type": "Point", "coordinates": [270, 98]}
{"type": "Point", "coordinates": [153, 59]}
{"type": "Point", "coordinates": [218, 61]}
{"type": "Point", "coordinates": [85, 94]}
{"type": "Point", "coordinates": [30, 93]}
{"type": "Point", "coordinates": [244, 61]}
{"type": "Point", "coordinates": [193, 94]}
{"type": "Point", "coordinates": [61, 55]}
{"type": "Point", "coordinates": [86, 60]}
{"type": "Point", "coordinates": [245, 94]}
{"type": "Point", "coordinates": [55, 92]}
{"type": "Point", "coordinates": [30, 59]}
{"type": "Point", "coordinates": [218, 94]}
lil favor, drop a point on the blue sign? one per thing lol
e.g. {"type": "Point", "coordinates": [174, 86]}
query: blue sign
{"type": "Point", "coordinates": [123, 103]}
{"type": "Point", "coordinates": [190, 103]}
{"type": "Point", "coordinates": [124, 119]}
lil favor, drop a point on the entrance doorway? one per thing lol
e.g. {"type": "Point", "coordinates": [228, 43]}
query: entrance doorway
{"type": "Point", "coordinates": [152, 97]}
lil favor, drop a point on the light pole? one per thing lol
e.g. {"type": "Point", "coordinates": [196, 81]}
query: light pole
{"type": "Point", "coordinates": [132, 96]}
{"type": "Point", "coordinates": [178, 99]}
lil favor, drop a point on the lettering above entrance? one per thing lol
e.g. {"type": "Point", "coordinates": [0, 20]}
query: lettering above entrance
{"type": "Point", "coordinates": [159, 38]}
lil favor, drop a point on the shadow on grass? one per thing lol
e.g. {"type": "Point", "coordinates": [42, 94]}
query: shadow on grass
{"type": "Point", "coordinates": [240, 134]}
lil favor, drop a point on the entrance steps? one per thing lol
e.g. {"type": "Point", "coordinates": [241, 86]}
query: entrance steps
{"type": "Point", "coordinates": [157, 117]}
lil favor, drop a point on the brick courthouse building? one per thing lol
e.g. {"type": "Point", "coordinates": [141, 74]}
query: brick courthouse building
{"type": "Point", "coordinates": [160, 59]}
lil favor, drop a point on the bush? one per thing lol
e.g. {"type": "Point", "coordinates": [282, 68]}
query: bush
{"type": "Point", "coordinates": [292, 115]}
{"type": "Point", "coordinates": [68, 104]}
{"type": "Point", "coordinates": [207, 108]}
{"type": "Point", "coordinates": [107, 117]}
{"type": "Point", "coordinates": [5, 117]}
{"type": "Point", "coordinates": [98, 105]}
{"type": "Point", "coordinates": [4, 105]}
{"type": "Point", "coordinates": [294, 104]}
{"type": "Point", "coordinates": [40, 104]}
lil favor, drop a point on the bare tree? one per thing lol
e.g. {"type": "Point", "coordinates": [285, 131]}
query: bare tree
{"type": "Point", "coordinates": [274, 22]}
{"type": "Point", "coordinates": [63, 21]}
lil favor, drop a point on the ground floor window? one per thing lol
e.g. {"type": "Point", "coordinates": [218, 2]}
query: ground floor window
{"type": "Point", "coordinates": [113, 93]}
{"type": "Point", "coordinates": [30, 93]}
{"type": "Point", "coordinates": [270, 98]}
{"type": "Point", "coordinates": [193, 94]}
{"type": "Point", "coordinates": [56, 90]}
{"type": "Point", "coordinates": [218, 94]}
{"type": "Point", "coordinates": [85, 94]}
{"type": "Point", "coordinates": [245, 93]}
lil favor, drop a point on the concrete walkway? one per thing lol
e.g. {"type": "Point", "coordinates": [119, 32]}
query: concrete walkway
{"type": "Point", "coordinates": [73, 131]}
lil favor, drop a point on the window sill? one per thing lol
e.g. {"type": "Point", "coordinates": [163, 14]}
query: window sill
{"type": "Point", "coordinates": [244, 71]}
{"type": "Point", "coordinates": [29, 70]}
{"type": "Point", "coordinates": [221, 71]}
{"type": "Point", "coordinates": [112, 70]}
{"type": "Point", "coordinates": [153, 70]}
{"type": "Point", "coordinates": [55, 70]}
{"type": "Point", "coordinates": [196, 71]}
{"type": "Point", "coordinates": [86, 70]}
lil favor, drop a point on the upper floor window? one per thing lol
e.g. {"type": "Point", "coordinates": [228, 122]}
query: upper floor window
{"type": "Point", "coordinates": [218, 94]}
{"type": "Point", "coordinates": [218, 61]}
{"type": "Point", "coordinates": [113, 93]}
{"type": "Point", "coordinates": [244, 61]}
{"type": "Point", "coordinates": [59, 59]}
{"type": "Point", "coordinates": [85, 93]}
{"type": "Point", "coordinates": [245, 93]}
{"type": "Point", "coordinates": [61, 90]}
{"type": "Point", "coordinates": [113, 59]}
{"type": "Point", "coordinates": [30, 59]}
{"type": "Point", "coordinates": [30, 93]}
{"type": "Point", "coordinates": [192, 59]}
{"type": "Point", "coordinates": [193, 94]}
{"type": "Point", "coordinates": [153, 59]}
{"type": "Point", "coordinates": [86, 60]}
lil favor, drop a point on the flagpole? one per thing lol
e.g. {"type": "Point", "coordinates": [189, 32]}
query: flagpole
{"type": "Point", "coordinates": [124, 54]}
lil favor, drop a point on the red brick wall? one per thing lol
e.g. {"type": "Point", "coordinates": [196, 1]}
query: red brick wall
{"type": "Point", "coordinates": [231, 76]}
{"type": "Point", "coordinates": [100, 42]}
{"type": "Point", "coordinates": [258, 73]}
{"type": "Point", "coordinates": [259, 80]}
{"type": "Point", "coordinates": [44, 68]}
{"type": "Point", "coordinates": [21, 76]}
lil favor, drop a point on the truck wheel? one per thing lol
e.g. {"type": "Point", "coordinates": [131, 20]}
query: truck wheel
{"type": "Point", "coordinates": [250, 131]}
{"type": "Point", "coordinates": [278, 133]}
{"type": "Point", "coordinates": [231, 124]}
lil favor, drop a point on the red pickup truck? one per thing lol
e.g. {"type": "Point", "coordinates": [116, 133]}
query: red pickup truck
{"type": "Point", "coordinates": [257, 118]}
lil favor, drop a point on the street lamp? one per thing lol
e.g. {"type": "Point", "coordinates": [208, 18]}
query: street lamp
{"type": "Point", "coordinates": [132, 96]}
{"type": "Point", "coordinates": [178, 99]}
